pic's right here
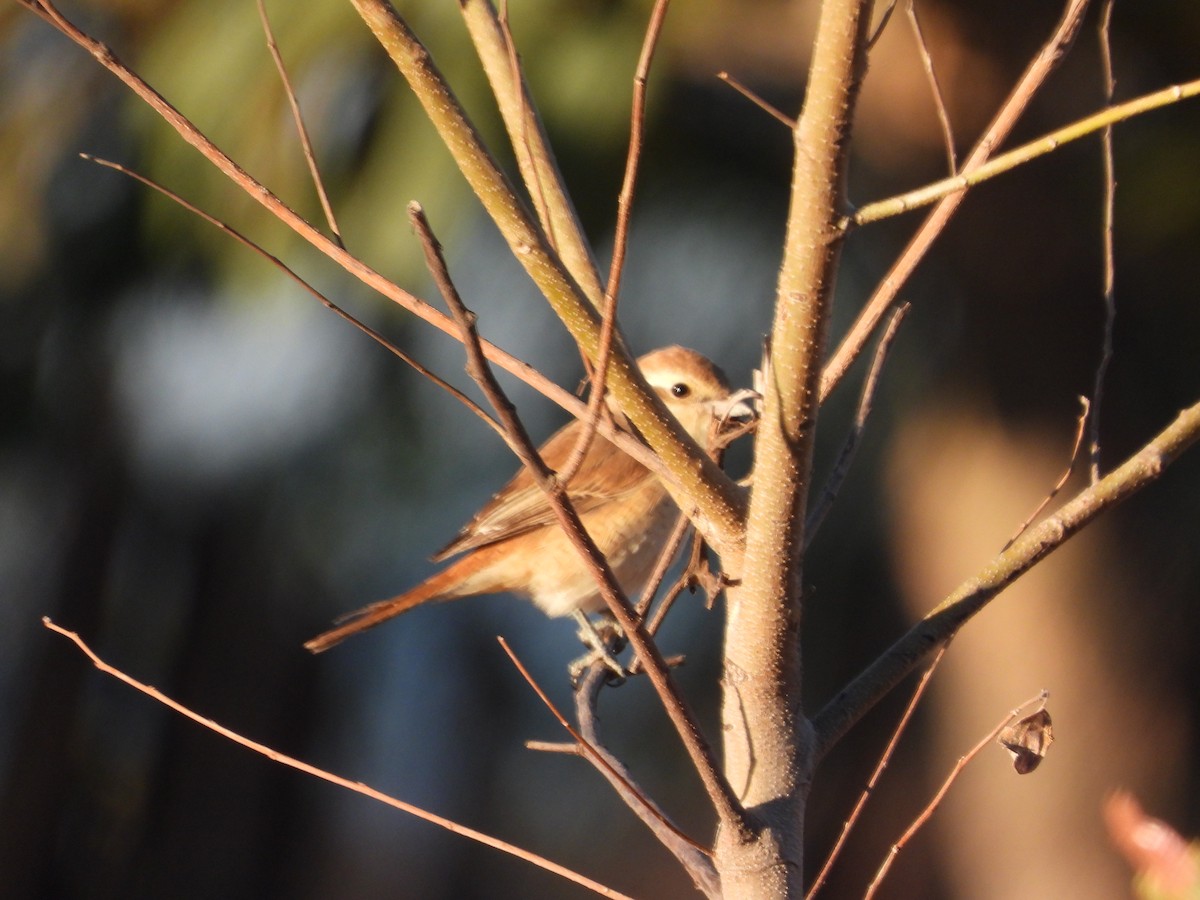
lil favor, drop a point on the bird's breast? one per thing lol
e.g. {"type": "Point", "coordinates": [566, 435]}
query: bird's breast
{"type": "Point", "coordinates": [629, 530]}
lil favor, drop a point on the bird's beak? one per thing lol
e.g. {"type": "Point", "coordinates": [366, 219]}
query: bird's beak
{"type": "Point", "coordinates": [739, 406]}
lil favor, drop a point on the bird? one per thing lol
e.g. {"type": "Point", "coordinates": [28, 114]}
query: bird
{"type": "Point", "coordinates": [514, 543]}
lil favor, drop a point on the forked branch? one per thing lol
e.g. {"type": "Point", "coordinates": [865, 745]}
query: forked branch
{"type": "Point", "coordinates": [878, 679]}
{"type": "Point", "coordinates": [532, 150]}
{"type": "Point", "coordinates": [1005, 162]}
{"type": "Point", "coordinates": [692, 856]}
{"type": "Point", "coordinates": [1034, 76]}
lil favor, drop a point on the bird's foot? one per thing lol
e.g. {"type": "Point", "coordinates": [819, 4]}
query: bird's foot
{"type": "Point", "coordinates": [604, 639]}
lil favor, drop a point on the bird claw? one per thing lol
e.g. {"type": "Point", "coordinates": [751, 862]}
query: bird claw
{"type": "Point", "coordinates": [604, 640]}
{"type": "Point", "coordinates": [616, 672]}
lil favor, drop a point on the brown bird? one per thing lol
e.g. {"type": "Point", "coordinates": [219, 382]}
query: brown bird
{"type": "Point", "coordinates": [515, 545]}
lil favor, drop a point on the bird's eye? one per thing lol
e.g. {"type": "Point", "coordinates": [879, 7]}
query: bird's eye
{"type": "Point", "coordinates": [679, 389]}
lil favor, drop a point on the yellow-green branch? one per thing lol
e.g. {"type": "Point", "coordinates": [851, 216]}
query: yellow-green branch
{"type": "Point", "coordinates": [931, 193]}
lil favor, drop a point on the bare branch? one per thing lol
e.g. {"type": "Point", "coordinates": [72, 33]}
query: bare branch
{"type": "Point", "coordinates": [636, 139]}
{"type": "Point", "coordinates": [301, 131]}
{"type": "Point", "coordinates": [355, 786]}
{"type": "Point", "coordinates": [884, 759]}
{"type": "Point", "coordinates": [757, 100]}
{"type": "Point", "coordinates": [524, 236]}
{"type": "Point", "coordinates": [526, 117]}
{"type": "Point", "coordinates": [1082, 128]}
{"type": "Point", "coordinates": [696, 860]}
{"type": "Point", "coordinates": [691, 854]}
{"type": "Point", "coordinates": [669, 552]}
{"type": "Point", "coordinates": [762, 670]}
{"type": "Point", "coordinates": [857, 429]}
{"type": "Point", "coordinates": [963, 762]}
{"type": "Point", "coordinates": [1106, 242]}
{"type": "Point", "coordinates": [884, 18]}
{"type": "Point", "coordinates": [599, 377]}
{"type": "Point", "coordinates": [941, 623]}
{"type": "Point", "coordinates": [290, 273]}
{"type": "Point", "coordinates": [535, 158]}
{"type": "Point", "coordinates": [1080, 426]}
{"type": "Point", "coordinates": [934, 87]}
{"type": "Point", "coordinates": [1001, 126]}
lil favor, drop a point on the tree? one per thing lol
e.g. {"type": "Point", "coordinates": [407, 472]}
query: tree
{"type": "Point", "coordinates": [771, 742]}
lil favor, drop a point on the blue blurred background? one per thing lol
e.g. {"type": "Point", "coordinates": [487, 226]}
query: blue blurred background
{"type": "Point", "coordinates": [200, 467]}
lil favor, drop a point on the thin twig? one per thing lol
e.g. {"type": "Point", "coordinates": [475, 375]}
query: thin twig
{"type": "Point", "coordinates": [533, 176]}
{"type": "Point", "coordinates": [355, 786]}
{"type": "Point", "coordinates": [934, 87]}
{"type": "Point", "coordinates": [290, 273]}
{"type": "Point", "coordinates": [1001, 126]}
{"type": "Point", "coordinates": [511, 428]}
{"type": "Point", "coordinates": [665, 558]}
{"type": "Point", "coordinates": [654, 582]}
{"type": "Point", "coordinates": [758, 101]}
{"type": "Point", "coordinates": [664, 606]}
{"type": "Point", "coordinates": [884, 18]}
{"type": "Point", "coordinates": [857, 428]}
{"type": "Point", "coordinates": [301, 131]}
{"type": "Point", "coordinates": [695, 573]}
{"type": "Point", "coordinates": [963, 762]}
{"type": "Point", "coordinates": [728, 810]}
{"type": "Point", "coordinates": [1080, 426]}
{"type": "Point", "coordinates": [878, 679]}
{"type": "Point", "coordinates": [1106, 242]}
{"type": "Point", "coordinates": [596, 407]}
{"type": "Point", "coordinates": [880, 767]}
{"type": "Point", "coordinates": [637, 127]}
{"type": "Point", "coordinates": [620, 241]}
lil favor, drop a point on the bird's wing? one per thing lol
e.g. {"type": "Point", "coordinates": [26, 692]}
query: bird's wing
{"type": "Point", "coordinates": [521, 506]}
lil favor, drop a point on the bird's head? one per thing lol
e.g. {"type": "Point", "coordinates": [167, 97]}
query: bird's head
{"type": "Point", "coordinates": [694, 389]}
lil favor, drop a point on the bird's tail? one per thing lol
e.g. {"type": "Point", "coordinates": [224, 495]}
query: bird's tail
{"type": "Point", "coordinates": [437, 587]}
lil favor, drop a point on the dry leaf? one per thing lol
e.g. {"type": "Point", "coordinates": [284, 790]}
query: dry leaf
{"type": "Point", "coordinates": [1027, 740]}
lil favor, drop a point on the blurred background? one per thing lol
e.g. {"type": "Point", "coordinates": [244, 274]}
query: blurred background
{"type": "Point", "coordinates": [200, 467]}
